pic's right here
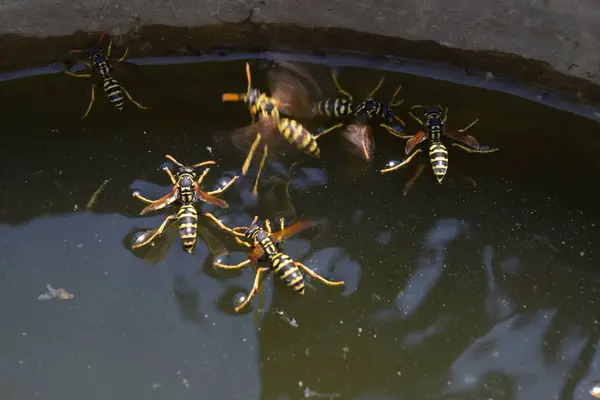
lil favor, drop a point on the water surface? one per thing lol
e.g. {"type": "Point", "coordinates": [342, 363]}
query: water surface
{"type": "Point", "coordinates": [452, 291]}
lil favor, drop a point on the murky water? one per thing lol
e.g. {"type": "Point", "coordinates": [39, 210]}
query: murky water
{"type": "Point", "coordinates": [480, 288]}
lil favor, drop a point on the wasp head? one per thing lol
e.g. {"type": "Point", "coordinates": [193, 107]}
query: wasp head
{"type": "Point", "coordinates": [433, 112]}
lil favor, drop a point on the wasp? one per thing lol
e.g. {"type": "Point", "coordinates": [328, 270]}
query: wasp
{"type": "Point", "coordinates": [434, 129]}
{"type": "Point", "coordinates": [267, 246]}
{"type": "Point", "coordinates": [101, 67]}
{"type": "Point", "coordinates": [288, 96]}
{"type": "Point", "coordinates": [186, 189]}
{"type": "Point", "coordinates": [358, 132]}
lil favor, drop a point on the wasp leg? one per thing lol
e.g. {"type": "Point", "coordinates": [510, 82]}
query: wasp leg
{"type": "Point", "coordinates": [124, 55]}
{"type": "Point", "coordinates": [445, 115]}
{"type": "Point", "coordinates": [397, 103]}
{"type": "Point", "coordinates": [395, 132]}
{"type": "Point", "coordinates": [468, 126]}
{"type": "Point", "coordinates": [327, 131]}
{"type": "Point", "coordinates": [158, 232]}
{"type": "Point", "coordinates": [339, 87]}
{"type": "Point", "coordinates": [221, 225]}
{"type": "Point", "coordinates": [402, 164]}
{"type": "Point", "coordinates": [237, 266]}
{"type": "Point", "coordinates": [201, 178]}
{"type": "Point", "coordinates": [268, 226]}
{"type": "Point", "coordinates": [376, 88]}
{"type": "Point", "coordinates": [251, 154]}
{"type": "Point", "coordinates": [419, 120]}
{"type": "Point", "coordinates": [171, 176]}
{"type": "Point", "coordinates": [243, 242]}
{"type": "Point", "coordinates": [412, 180]}
{"type": "Point", "coordinates": [468, 150]}
{"type": "Point", "coordinates": [254, 289]}
{"type": "Point", "coordinates": [260, 168]}
{"type": "Point", "coordinates": [138, 196]}
{"type": "Point", "coordinates": [316, 276]}
{"type": "Point", "coordinates": [132, 100]}
{"type": "Point", "coordinates": [91, 101]}
{"type": "Point", "coordinates": [224, 187]}
{"type": "Point", "coordinates": [109, 46]}
{"type": "Point", "coordinates": [77, 75]}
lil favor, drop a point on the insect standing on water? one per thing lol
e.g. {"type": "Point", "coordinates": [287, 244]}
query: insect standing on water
{"type": "Point", "coordinates": [187, 190]}
{"type": "Point", "coordinates": [434, 129]}
{"type": "Point", "coordinates": [288, 97]}
{"type": "Point", "coordinates": [267, 246]}
{"type": "Point", "coordinates": [101, 67]}
{"type": "Point", "coordinates": [358, 131]}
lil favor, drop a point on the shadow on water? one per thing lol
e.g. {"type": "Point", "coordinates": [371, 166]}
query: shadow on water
{"type": "Point", "coordinates": [453, 291]}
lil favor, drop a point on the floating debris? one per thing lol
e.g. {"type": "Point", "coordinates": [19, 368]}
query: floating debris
{"type": "Point", "coordinates": [311, 393]}
{"type": "Point", "coordinates": [286, 318]}
{"type": "Point", "coordinates": [52, 293]}
{"type": "Point", "coordinates": [96, 193]}
{"type": "Point", "coordinates": [185, 383]}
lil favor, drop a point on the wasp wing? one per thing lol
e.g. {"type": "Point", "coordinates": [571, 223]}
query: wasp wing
{"type": "Point", "coordinates": [360, 136]}
{"type": "Point", "coordinates": [465, 139]}
{"type": "Point", "coordinates": [293, 99]}
{"type": "Point", "coordinates": [161, 203]}
{"type": "Point", "coordinates": [242, 138]}
{"type": "Point", "coordinates": [414, 141]}
{"type": "Point", "coordinates": [209, 198]}
{"type": "Point", "coordinates": [292, 230]}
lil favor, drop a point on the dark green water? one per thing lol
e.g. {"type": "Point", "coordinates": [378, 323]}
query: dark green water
{"type": "Point", "coordinates": [452, 292]}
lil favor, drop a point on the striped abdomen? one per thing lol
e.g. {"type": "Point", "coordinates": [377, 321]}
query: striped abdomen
{"type": "Point", "coordinates": [438, 155]}
{"type": "Point", "coordinates": [338, 108]}
{"type": "Point", "coordinates": [188, 226]}
{"type": "Point", "coordinates": [286, 270]}
{"type": "Point", "coordinates": [297, 135]}
{"type": "Point", "coordinates": [113, 91]}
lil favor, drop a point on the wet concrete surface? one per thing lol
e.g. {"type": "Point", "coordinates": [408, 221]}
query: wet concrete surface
{"type": "Point", "coordinates": [550, 42]}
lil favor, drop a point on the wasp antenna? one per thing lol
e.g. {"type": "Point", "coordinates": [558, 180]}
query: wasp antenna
{"type": "Point", "coordinates": [248, 76]}
{"type": "Point", "coordinates": [174, 161]}
{"type": "Point", "coordinates": [101, 36]}
{"type": "Point", "coordinates": [203, 163]}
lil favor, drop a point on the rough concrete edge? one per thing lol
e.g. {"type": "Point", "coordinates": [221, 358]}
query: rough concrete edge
{"type": "Point", "coordinates": [19, 52]}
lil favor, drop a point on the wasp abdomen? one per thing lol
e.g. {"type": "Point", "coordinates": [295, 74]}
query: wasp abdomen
{"type": "Point", "coordinates": [188, 227]}
{"type": "Point", "coordinates": [113, 91]}
{"type": "Point", "coordinates": [338, 107]}
{"type": "Point", "coordinates": [297, 135]}
{"type": "Point", "coordinates": [287, 271]}
{"type": "Point", "coordinates": [438, 155]}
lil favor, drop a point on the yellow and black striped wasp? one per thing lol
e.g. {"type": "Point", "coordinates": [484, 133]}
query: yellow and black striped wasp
{"type": "Point", "coordinates": [358, 131]}
{"type": "Point", "coordinates": [186, 190]}
{"type": "Point", "coordinates": [435, 130]}
{"type": "Point", "coordinates": [267, 246]}
{"type": "Point", "coordinates": [288, 96]}
{"type": "Point", "coordinates": [101, 67]}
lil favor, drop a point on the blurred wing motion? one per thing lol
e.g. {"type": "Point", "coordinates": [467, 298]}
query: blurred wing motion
{"type": "Point", "coordinates": [161, 203]}
{"type": "Point", "coordinates": [210, 199]}
{"type": "Point", "coordinates": [292, 97]}
{"type": "Point", "coordinates": [465, 139]}
{"type": "Point", "coordinates": [293, 230]}
{"type": "Point", "coordinates": [414, 141]}
{"type": "Point", "coordinates": [124, 66]}
{"type": "Point", "coordinates": [242, 138]}
{"type": "Point", "coordinates": [360, 137]}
